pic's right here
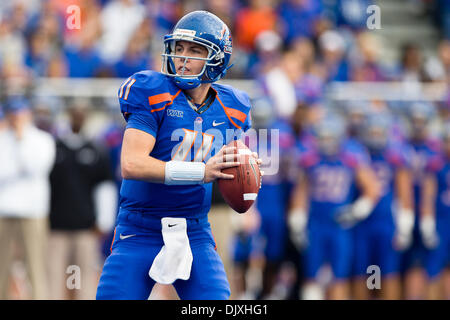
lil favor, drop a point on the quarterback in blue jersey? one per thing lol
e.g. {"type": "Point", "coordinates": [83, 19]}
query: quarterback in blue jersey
{"type": "Point", "coordinates": [178, 122]}
{"type": "Point", "coordinates": [388, 229]}
{"type": "Point", "coordinates": [322, 208]}
{"type": "Point", "coordinates": [438, 180]}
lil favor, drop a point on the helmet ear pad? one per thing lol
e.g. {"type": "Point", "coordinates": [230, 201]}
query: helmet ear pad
{"type": "Point", "coordinates": [214, 73]}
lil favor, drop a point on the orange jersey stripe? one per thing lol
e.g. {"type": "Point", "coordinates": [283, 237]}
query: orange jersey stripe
{"type": "Point", "coordinates": [158, 98]}
{"type": "Point", "coordinates": [112, 242]}
{"type": "Point", "coordinates": [168, 103]}
{"type": "Point", "coordinates": [236, 114]}
{"type": "Point", "coordinates": [225, 110]}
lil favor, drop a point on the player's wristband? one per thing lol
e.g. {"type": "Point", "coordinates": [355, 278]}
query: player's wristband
{"type": "Point", "coordinates": [184, 173]}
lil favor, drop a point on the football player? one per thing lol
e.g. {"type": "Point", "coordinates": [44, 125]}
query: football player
{"type": "Point", "coordinates": [437, 182]}
{"type": "Point", "coordinates": [178, 121]}
{"type": "Point", "coordinates": [413, 262]}
{"type": "Point", "coordinates": [322, 212]}
{"type": "Point", "coordinates": [380, 237]}
{"type": "Point", "coordinates": [264, 246]}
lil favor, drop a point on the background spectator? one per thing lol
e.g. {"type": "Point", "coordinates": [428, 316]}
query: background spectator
{"type": "Point", "coordinates": [76, 222]}
{"type": "Point", "coordinates": [25, 163]}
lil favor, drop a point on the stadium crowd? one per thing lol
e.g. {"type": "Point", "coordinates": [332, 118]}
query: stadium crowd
{"type": "Point", "coordinates": [289, 246]}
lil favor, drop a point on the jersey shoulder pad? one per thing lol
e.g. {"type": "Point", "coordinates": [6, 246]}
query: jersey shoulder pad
{"type": "Point", "coordinates": [355, 153]}
{"type": "Point", "coordinates": [397, 155]}
{"type": "Point", "coordinates": [308, 157]}
{"type": "Point", "coordinates": [235, 102]}
{"type": "Point", "coordinates": [144, 90]}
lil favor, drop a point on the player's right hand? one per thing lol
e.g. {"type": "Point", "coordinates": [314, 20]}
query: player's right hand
{"type": "Point", "coordinates": [225, 158]}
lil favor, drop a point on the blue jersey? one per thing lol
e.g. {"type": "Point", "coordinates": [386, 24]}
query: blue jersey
{"type": "Point", "coordinates": [385, 165]}
{"type": "Point", "coordinates": [151, 102]}
{"type": "Point", "coordinates": [330, 182]}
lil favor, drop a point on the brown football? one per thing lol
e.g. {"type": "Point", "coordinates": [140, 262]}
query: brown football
{"type": "Point", "coordinates": [241, 192]}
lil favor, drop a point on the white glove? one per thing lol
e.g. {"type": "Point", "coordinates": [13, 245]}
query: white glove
{"type": "Point", "coordinates": [297, 221]}
{"type": "Point", "coordinates": [427, 226]}
{"type": "Point", "coordinates": [359, 210]}
{"type": "Point", "coordinates": [404, 222]}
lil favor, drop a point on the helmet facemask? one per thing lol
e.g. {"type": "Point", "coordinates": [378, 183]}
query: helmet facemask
{"type": "Point", "coordinates": [213, 59]}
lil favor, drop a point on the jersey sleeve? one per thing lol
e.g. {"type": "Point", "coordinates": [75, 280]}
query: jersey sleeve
{"type": "Point", "coordinates": [140, 97]}
{"type": "Point", "coordinates": [143, 123]}
{"type": "Point", "coordinates": [237, 107]}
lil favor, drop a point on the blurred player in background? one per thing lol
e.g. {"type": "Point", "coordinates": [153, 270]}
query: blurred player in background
{"type": "Point", "coordinates": [162, 233]}
{"type": "Point", "coordinates": [259, 245]}
{"type": "Point", "coordinates": [322, 211]}
{"type": "Point", "coordinates": [424, 235]}
{"type": "Point", "coordinates": [389, 227]}
{"type": "Point", "coordinates": [437, 180]}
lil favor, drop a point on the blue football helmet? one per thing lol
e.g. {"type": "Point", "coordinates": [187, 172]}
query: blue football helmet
{"type": "Point", "coordinates": [378, 127]}
{"type": "Point", "coordinates": [206, 29]}
{"type": "Point", "coordinates": [329, 132]}
{"type": "Point", "coordinates": [262, 112]}
{"type": "Point", "coordinates": [420, 114]}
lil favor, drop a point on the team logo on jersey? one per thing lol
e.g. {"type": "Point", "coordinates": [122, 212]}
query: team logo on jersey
{"type": "Point", "coordinates": [199, 120]}
{"type": "Point", "coordinates": [215, 124]}
{"type": "Point", "coordinates": [175, 113]}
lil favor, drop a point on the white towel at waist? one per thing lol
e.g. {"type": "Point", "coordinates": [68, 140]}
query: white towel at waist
{"type": "Point", "coordinates": [174, 261]}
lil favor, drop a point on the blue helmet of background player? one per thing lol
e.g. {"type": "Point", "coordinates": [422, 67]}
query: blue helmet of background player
{"type": "Point", "coordinates": [356, 114]}
{"type": "Point", "coordinates": [262, 113]}
{"type": "Point", "coordinates": [329, 132]}
{"type": "Point", "coordinates": [421, 110]}
{"type": "Point", "coordinates": [377, 131]}
{"type": "Point", "coordinates": [420, 114]}
{"type": "Point", "coordinates": [206, 29]}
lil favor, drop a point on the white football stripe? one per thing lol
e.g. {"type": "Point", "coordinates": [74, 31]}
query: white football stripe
{"type": "Point", "coordinates": [250, 196]}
